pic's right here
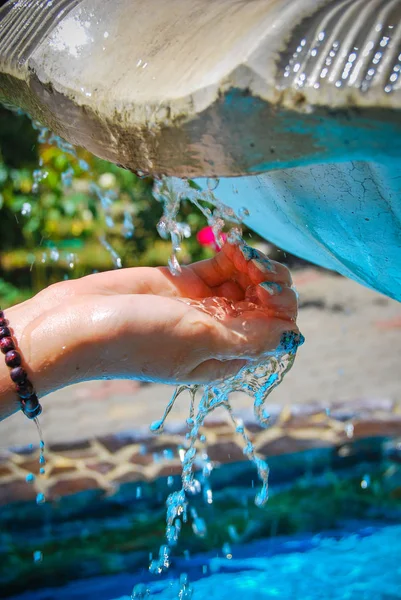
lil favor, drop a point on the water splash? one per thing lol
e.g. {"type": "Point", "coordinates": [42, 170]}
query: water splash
{"type": "Point", "coordinates": [38, 176]}
{"type": "Point", "coordinates": [117, 262]}
{"type": "Point", "coordinates": [186, 590]}
{"type": "Point", "coordinates": [171, 192]}
{"type": "Point", "coordinates": [105, 196]}
{"type": "Point", "coordinates": [67, 177]}
{"type": "Point", "coordinates": [257, 379]}
{"type": "Point", "coordinates": [42, 459]}
{"type": "Point", "coordinates": [140, 592]}
{"type": "Point", "coordinates": [40, 498]}
{"type": "Point", "coordinates": [128, 225]}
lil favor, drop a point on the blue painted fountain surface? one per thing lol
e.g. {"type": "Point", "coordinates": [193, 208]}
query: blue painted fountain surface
{"type": "Point", "coordinates": [342, 216]}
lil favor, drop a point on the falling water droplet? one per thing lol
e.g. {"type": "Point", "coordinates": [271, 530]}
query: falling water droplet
{"type": "Point", "coordinates": [349, 430]}
{"type": "Point", "coordinates": [365, 482]}
{"type": "Point", "coordinates": [186, 590]}
{"type": "Point", "coordinates": [139, 592]}
{"type": "Point", "coordinates": [128, 225]}
{"type": "Point", "coordinates": [115, 257]}
{"type": "Point", "coordinates": [174, 265]}
{"type": "Point", "coordinates": [67, 177]}
{"type": "Point", "coordinates": [54, 254]}
{"type": "Point", "coordinates": [212, 183]}
{"type": "Point", "coordinates": [243, 213]}
{"type": "Point", "coordinates": [26, 209]}
{"type": "Point", "coordinates": [83, 164]}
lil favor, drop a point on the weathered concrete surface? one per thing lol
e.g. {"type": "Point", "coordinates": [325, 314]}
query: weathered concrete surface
{"type": "Point", "coordinates": [204, 88]}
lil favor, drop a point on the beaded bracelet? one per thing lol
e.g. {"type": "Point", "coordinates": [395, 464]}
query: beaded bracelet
{"type": "Point", "coordinates": [28, 399]}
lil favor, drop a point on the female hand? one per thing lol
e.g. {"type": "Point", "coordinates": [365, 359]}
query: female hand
{"type": "Point", "coordinates": [137, 323]}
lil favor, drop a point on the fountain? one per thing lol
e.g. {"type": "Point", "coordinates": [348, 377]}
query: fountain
{"type": "Point", "coordinates": [295, 106]}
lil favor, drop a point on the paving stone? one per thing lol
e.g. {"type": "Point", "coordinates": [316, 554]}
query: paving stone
{"type": "Point", "coordinates": [4, 471]}
{"type": "Point", "coordinates": [130, 476]}
{"type": "Point", "coordinates": [65, 487]}
{"type": "Point", "coordinates": [16, 491]}
{"type": "Point", "coordinates": [114, 443]}
{"type": "Point", "coordinates": [225, 452]}
{"type": "Point", "coordinates": [141, 459]}
{"type": "Point", "coordinates": [170, 470]}
{"type": "Point", "coordinates": [101, 466]}
{"type": "Point", "coordinates": [290, 445]}
{"type": "Point", "coordinates": [60, 470]}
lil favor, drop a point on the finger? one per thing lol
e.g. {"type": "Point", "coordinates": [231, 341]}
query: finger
{"type": "Point", "coordinates": [241, 262]}
{"type": "Point", "coordinates": [251, 335]}
{"type": "Point", "coordinates": [215, 370]}
{"type": "Point", "coordinates": [258, 272]}
{"type": "Point", "coordinates": [279, 299]}
{"type": "Point", "coordinates": [230, 289]}
{"type": "Point", "coordinates": [215, 271]}
{"type": "Point", "coordinates": [252, 264]}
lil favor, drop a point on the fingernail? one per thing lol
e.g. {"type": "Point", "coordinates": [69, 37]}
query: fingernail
{"type": "Point", "coordinates": [263, 264]}
{"type": "Point", "coordinates": [272, 288]}
{"type": "Point", "coordinates": [290, 341]}
{"type": "Point", "coordinates": [247, 252]}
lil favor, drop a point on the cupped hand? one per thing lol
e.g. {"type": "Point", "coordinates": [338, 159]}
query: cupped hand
{"type": "Point", "coordinates": [141, 323]}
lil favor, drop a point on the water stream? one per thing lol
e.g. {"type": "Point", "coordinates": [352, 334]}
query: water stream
{"type": "Point", "coordinates": [257, 379]}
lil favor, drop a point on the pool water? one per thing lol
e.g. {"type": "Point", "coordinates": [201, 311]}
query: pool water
{"type": "Point", "coordinates": [337, 569]}
{"type": "Point", "coordinates": [333, 566]}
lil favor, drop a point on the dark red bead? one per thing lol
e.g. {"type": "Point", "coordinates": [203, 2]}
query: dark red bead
{"type": "Point", "coordinates": [3, 322]}
{"type": "Point", "coordinates": [13, 359]}
{"type": "Point", "coordinates": [4, 332]}
{"type": "Point", "coordinates": [6, 344]}
{"type": "Point", "coordinates": [25, 389]}
{"type": "Point", "coordinates": [1, 314]}
{"type": "Point", "coordinates": [18, 375]}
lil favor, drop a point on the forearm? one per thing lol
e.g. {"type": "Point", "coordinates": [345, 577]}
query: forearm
{"type": "Point", "coordinates": [50, 342]}
{"type": "Point", "coordinates": [64, 338]}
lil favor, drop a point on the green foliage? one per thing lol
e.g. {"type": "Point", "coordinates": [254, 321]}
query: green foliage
{"type": "Point", "coordinates": [66, 216]}
{"type": "Point", "coordinates": [11, 295]}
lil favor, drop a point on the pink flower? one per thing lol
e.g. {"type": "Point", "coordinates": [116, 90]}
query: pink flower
{"type": "Point", "coordinates": [207, 238]}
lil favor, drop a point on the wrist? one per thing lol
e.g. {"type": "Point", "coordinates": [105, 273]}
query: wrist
{"type": "Point", "coordinates": [50, 342]}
